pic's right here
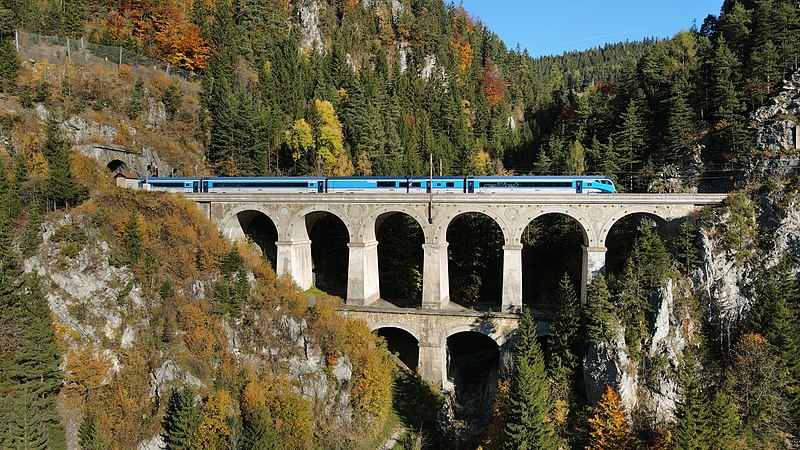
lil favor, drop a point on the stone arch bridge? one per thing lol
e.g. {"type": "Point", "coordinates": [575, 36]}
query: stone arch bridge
{"type": "Point", "coordinates": [362, 214]}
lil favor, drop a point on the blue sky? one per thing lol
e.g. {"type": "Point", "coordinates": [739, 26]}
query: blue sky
{"type": "Point", "coordinates": [547, 27]}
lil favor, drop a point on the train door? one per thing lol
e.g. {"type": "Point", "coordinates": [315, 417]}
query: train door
{"type": "Point", "coordinates": [195, 186]}
{"type": "Point", "coordinates": [470, 186]}
{"type": "Point", "coordinates": [205, 186]}
{"type": "Point", "coordinates": [578, 187]}
{"type": "Point", "coordinates": [320, 187]}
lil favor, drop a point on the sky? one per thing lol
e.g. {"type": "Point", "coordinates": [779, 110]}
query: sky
{"type": "Point", "coordinates": [551, 27]}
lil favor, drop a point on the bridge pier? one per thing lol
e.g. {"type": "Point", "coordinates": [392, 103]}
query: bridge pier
{"type": "Point", "coordinates": [432, 366]}
{"type": "Point", "coordinates": [594, 263]}
{"type": "Point", "coordinates": [294, 259]}
{"type": "Point", "coordinates": [512, 278]}
{"type": "Point", "coordinates": [435, 279]}
{"type": "Point", "coordinates": [363, 286]}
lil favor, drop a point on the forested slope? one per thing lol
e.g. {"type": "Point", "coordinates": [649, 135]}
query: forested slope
{"type": "Point", "coordinates": [375, 87]}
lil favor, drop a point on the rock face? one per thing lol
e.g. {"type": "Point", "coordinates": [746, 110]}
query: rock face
{"type": "Point", "coordinates": [102, 305]}
{"type": "Point", "coordinates": [309, 19]}
{"type": "Point", "coordinates": [776, 133]}
{"type": "Point", "coordinates": [654, 393]}
{"type": "Point", "coordinates": [145, 163]}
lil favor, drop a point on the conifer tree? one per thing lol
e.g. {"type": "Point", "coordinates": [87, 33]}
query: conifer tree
{"type": "Point", "coordinates": [527, 426]}
{"type": "Point", "coordinates": [563, 333]}
{"type": "Point", "coordinates": [692, 415]}
{"type": "Point", "coordinates": [62, 188]}
{"type": "Point", "coordinates": [608, 425]}
{"type": "Point", "coordinates": [257, 434]}
{"type": "Point", "coordinates": [25, 428]}
{"type": "Point", "coordinates": [723, 424]}
{"type": "Point", "coordinates": [9, 65]}
{"type": "Point", "coordinates": [600, 316]}
{"type": "Point", "coordinates": [181, 420]}
{"type": "Point", "coordinates": [91, 435]}
{"type": "Point", "coordinates": [776, 317]}
{"type": "Point", "coordinates": [36, 363]}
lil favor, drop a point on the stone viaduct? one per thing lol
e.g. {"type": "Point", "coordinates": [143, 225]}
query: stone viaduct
{"type": "Point", "coordinates": [362, 214]}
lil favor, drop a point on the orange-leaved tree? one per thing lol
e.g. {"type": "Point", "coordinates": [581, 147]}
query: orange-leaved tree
{"type": "Point", "coordinates": [608, 425]}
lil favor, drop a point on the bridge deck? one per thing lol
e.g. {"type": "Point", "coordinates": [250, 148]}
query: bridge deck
{"type": "Point", "coordinates": [454, 198]}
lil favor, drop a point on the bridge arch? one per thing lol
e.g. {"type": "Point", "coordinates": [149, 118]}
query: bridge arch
{"type": "Point", "coordinates": [237, 220]}
{"type": "Point", "coordinates": [442, 224]}
{"type": "Point", "coordinates": [298, 226]}
{"type": "Point", "coordinates": [553, 244]}
{"type": "Point", "coordinates": [623, 233]}
{"type": "Point", "coordinates": [366, 230]}
{"type": "Point", "coordinates": [481, 327]}
{"type": "Point", "coordinates": [651, 211]}
{"type": "Point", "coordinates": [589, 239]}
{"type": "Point", "coordinates": [475, 258]}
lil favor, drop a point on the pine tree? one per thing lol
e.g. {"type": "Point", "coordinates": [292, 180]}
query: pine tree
{"type": "Point", "coordinates": [26, 428]}
{"type": "Point", "coordinates": [528, 426]}
{"type": "Point", "coordinates": [723, 423]}
{"type": "Point", "coordinates": [600, 316]}
{"type": "Point", "coordinates": [62, 188]}
{"type": "Point", "coordinates": [257, 434]}
{"type": "Point", "coordinates": [181, 420]}
{"type": "Point", "coordinates": [608, 425]}
{"type": "Point", "coordinates": [563, 334]}
{"type": "Point", "coordinates": [36, 363]}
{"type": "Point", "coordinates": [776, 317]}
{"type": "Point", "coordinates": [692, 415]}
{"type": "Point", "coordinates": [133, 239]}
{"type": "Point", "coordinates": [9, 65]}
{"type": "Point", "coordinates": [576, 159]}
{"type": "Point", "coordinates": [91, 435]}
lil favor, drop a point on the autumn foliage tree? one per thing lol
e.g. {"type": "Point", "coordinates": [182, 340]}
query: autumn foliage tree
{"type": "Point", "coordinates": [608, 425]}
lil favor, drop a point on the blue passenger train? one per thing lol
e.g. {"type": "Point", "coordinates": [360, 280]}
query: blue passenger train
{"type": "Point", "coordinates": [527, 184]}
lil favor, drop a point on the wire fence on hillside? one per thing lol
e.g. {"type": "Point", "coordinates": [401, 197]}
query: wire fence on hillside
{"type": "Point", "coordinates": [37, 47]}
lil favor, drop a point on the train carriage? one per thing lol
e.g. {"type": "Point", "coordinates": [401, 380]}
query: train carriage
{"type": "Point", "coordinates": [170, 184]}
{"type": "Point", "coordinates": [440, 184]}
{"type": "Point", "coordinates": [395, 185]}
{"type": "Point", "coordinates": [293, 185]}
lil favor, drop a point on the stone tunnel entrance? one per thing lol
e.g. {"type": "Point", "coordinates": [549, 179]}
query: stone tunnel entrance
{"type": "Point", "coordinates": [400, 259]}
{"type": "Point", "coordinates": [329, 252]}
{"type": "Point", "coordinates": [403, 344]}
{"type": "Point", "coordinates": [117, 166]}
{"type": "Point", "coordinates": [552, 246]}
{"type": "Point", "coordinates": [475, 262]}
{"type": "Point", "coordinates": [260, 229]}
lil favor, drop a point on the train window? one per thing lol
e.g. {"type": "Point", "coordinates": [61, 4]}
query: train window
{"type": "Point", "coordinates": [416, 184]}
{"type": "Point", "coordinates": [450, 184]}
{"type": "Point", "coordinates": [387, 184]}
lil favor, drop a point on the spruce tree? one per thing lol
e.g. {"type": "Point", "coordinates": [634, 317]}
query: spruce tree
{"type": "Point", "coordinates": [25, 428]}
{"type": "Point", "coordinates": [181, 420]}
{"type": "Point", "coordinates": [9, 65]}
{"type": "Point", "coordinates": [692, 415]}
{"type": "Point", "coordinates": [62, 188]}
{"type": "Point", "coordinates": [528, 426]}
{"type": "Point", "coordinates": [723, 422]}
{"type": "Point", "coordinates": [36, 363]}
{"type": "Point", "coordinates": [91, 435]}
{"type": "Point", "coordinates": [563, 334]}
{"type": "Point", "coordinates": [257, 434]}
{"type": "Point", "coordinates": [776, 317]}
{"type": "Point", "coordinates": [600, 318]}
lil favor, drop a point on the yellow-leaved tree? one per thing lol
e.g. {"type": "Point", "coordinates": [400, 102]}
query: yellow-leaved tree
{"type": "Point", "coordinates": [331, 158]}
{"type": "Point", "coordinates": [608, 425]}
